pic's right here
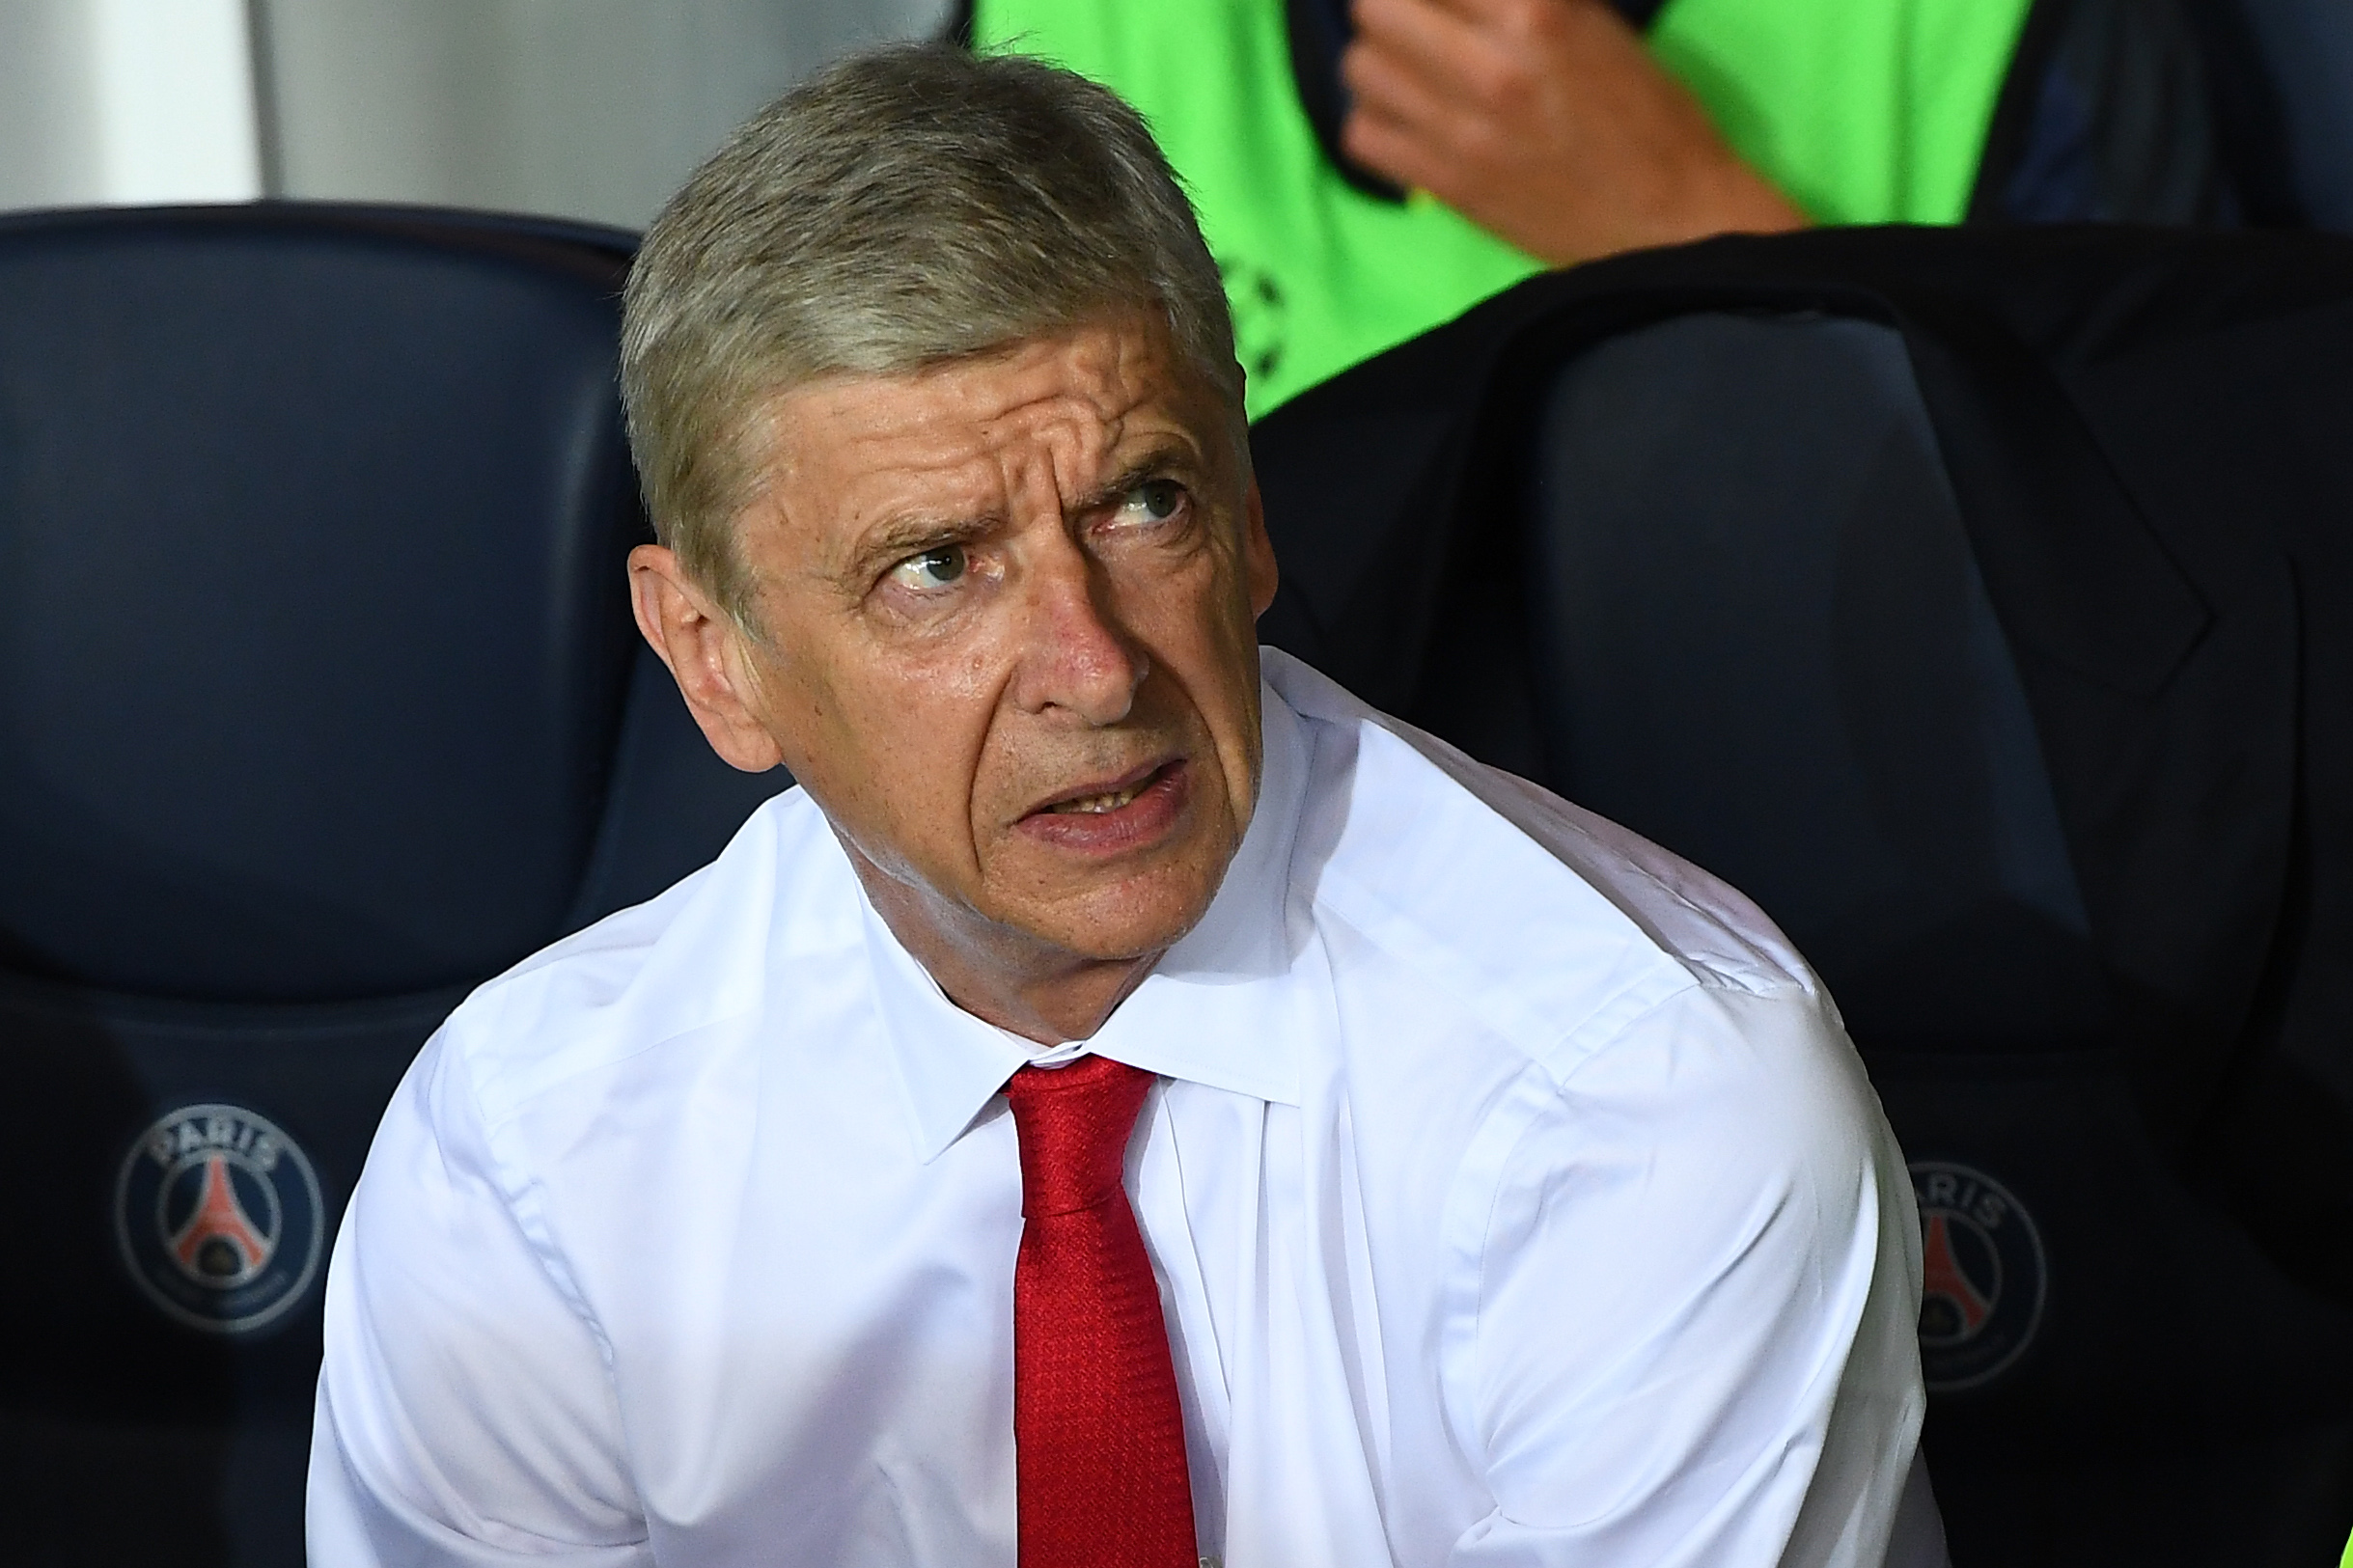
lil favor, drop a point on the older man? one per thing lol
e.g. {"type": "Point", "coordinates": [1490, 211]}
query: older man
{"type": "Point", "coordinates": [1133, 1104]}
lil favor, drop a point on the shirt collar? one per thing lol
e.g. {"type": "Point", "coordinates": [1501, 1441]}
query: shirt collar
{"type": "Point", "coordinates": [1217, 1009]}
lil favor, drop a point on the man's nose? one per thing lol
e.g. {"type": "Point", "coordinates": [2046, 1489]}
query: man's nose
{"type": "Point", "coordinates": [1075, 657]}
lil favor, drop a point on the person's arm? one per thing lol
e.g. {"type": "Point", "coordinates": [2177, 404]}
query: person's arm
{"type": "Point", "coordinates": [1697, 1281]}
{"type": "Point", "coordinates": [465, 1414]}
{"type": "Point", "coordinates": [1547, 123]}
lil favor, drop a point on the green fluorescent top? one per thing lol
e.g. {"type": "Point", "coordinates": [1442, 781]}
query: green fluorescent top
{"type": "Point", "coordinates": [1863, 111]}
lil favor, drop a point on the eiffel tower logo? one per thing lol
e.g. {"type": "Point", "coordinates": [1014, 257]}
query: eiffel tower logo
{"type": "Point", "coordinates": [1942, 1277]}
{"type": "Point", "coordinates": [219, 1245]}
{"type": "Point", "coordinates": [1983, 1275]}
{"type": "Point", "coordinates": [219, 1218]}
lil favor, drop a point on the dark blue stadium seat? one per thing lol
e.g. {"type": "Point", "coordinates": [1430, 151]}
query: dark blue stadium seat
{"type": "Point", "coordinates": [1767, 644]}
{"type": "Point", "coordinates": [1980, 602]}
{"type": "Point", "coordinates": [320, 704]}
{"type": "Point", "coordinates": [2307, 47]}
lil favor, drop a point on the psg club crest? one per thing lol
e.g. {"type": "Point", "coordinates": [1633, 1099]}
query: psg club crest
{"type": "Point", "coordinates": [219, 1218]}
{"type": "Point", "coordinates": [1983, 1275]}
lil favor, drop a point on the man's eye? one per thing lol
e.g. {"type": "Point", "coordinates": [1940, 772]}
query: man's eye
{"type": "Point", "coordinates": [1157, 500]}
{"type": "Point", "coordinates": [932, 568]}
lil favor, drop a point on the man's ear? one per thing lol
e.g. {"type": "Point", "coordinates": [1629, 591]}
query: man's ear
{"type": "Point", "coordinates": [1258, 553]}
{"type": "Point", "coordinates": [700, 644]}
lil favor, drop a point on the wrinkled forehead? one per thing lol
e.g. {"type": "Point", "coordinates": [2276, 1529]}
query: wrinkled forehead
{"type": "Point", "coordinates": [960, 438]}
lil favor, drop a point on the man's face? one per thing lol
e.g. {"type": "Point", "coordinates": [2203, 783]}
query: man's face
{"type": "Point", "coordinates": [1009, 606]}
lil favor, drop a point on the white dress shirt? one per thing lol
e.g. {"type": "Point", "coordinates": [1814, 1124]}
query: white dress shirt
{"type": "Point", "coordinates": [1514, 1194]}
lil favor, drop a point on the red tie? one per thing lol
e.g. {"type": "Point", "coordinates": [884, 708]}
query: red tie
{"type": "Point", "coordinates": [1098, 1440]}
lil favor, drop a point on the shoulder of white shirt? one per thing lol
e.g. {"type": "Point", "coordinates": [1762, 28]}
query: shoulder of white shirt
{"type": "Point", "coordinates": [1544, 917]}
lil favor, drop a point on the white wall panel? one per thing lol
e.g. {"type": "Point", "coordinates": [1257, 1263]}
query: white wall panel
{"type": "Point", "coordinates": [582, 108]}
{"type": "Point", "coordinates": [126, 101]}
{"type": "Point", "coordinates": [48, 141]}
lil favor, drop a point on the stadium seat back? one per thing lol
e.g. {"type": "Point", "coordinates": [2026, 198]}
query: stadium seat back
{"type": "Point", "coordinates": [2307, 49]}
{"type": "Point", "coordinates": [1765, 638]}
{"type": "Point", "coordinates": [320, 704]}
{"type": "Point", "coordinates": [303, 712]}
{"type": "Point", "coordinates": [1762, 640]}
{"type": "Point", "coordinates": [1928, 587]}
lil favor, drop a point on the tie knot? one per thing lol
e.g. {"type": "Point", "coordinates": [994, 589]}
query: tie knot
{"type": "Point", "coordinates": [1074, 1124]}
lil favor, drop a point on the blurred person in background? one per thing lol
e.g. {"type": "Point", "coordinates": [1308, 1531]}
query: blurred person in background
{"type": "Point", "coordinates": [1366, 170]}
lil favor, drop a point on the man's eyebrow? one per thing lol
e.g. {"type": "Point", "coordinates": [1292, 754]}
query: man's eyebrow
{"type": "Point", "coordinates": [892, 542]}
{"type": "Point", "coordinates": [1161, 457]}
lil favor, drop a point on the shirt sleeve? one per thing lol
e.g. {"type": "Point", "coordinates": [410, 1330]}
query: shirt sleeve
{"type": "Point", "coordinates": [466, 1413]}
{"type": "Point", "coordinates": [1697, 1288]}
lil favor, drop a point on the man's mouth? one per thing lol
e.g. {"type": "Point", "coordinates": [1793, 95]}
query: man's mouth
{"type": "Point", "coordinates": [1097, 805]}
{"type": "Point", "coordinates": [1115, 815]}
{"type": "Point", "coordinates": [1111, 795]}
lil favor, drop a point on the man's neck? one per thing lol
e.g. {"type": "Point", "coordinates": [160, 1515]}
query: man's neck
{"type": "Point", "coordinates": [999, 977]}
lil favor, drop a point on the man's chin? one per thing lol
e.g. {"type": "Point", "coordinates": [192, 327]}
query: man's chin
{"type": "Point", "coordinates": [1134, 918]}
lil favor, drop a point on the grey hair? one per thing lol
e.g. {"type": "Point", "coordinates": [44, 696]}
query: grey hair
{"type": "Point", "coordinates": [907, 207]}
